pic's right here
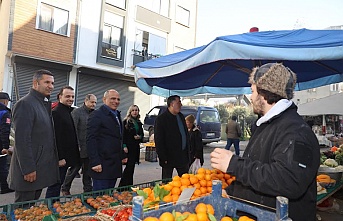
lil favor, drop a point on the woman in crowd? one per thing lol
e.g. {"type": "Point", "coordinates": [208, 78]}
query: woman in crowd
{"type": "Point", "coordinates": [132, 137]}
{"type": "Point", "coordinates": [196, 146]}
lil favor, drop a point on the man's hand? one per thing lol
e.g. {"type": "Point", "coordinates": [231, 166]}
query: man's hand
{"type": "Point", "coordinates": [4, 151]}
{"type": "Point", "coordinates": [220, 159]}
{"type": "Point", "coordinates": [124, 160]}
{"type": "Point", "coordinates": [30, 177]}
{"type": "Point", "coordinates": [97, 168]}
{"type": "Point", "coordinates": [62, 163]}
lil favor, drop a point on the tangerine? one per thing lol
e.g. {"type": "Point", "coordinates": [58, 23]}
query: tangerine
{"type": "Point", "coordinates": [202, 216]}
{"type": "Point", "coordinates": [176, 191]}
{"type": "Point", "coordinates": [147, 191]}
{"type": "Point", "coordinates": [210, 209]}
{"type": "Point", "coordinates": [166, 216]}
{"type": "Point", "coordinates": [201, 208]}
{"type": "Point", "coordinates": [150, 218]}
{"type": "Point", "coordinates": [176, 183]}
{"type": "Point", "coordinates": [203, 190]}
{"type": "Point", "coordinates": [185, 176]}
{"type": "Point", "coordinates": [197, 192]}
{"type": "Point", "coordinates": [168, 187]}
{"type": "Point", "coordinates": [191, 217]}
{"type": "Point", "coordinates": [226, 218]}
{"type": "Point", "coordinates": [168, 199]}
{"type": "Point", "coordinates": [200, 176]}
{"type": "Point", "coordinates": [185, 182]}
{"type": "Point", "coordinates": [201, 170]}
{"type": "Point", "coordinates": [176, 178]}
{"type": "Point", "coordinates": [193, 180]}
{"type": "Point", "coordinates": [175, 198]}
{"type": "Point", "coordinates": [209, 183]}
{"type": "Point", "coordinates": [183, 187]}
{"type": "Point", "coordinates": [203, 183]}
{"type": "Point", "coordinates": [245, 218]}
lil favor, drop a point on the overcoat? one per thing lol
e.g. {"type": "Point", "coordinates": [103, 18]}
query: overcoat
{"type": "Point", "coordinates": [168, 141]}
{"type": "Point", "coordinates": [65, 133]}
{"type": "Point", "coordinates": [35, 148]}
{"type": "Point", "coordinates": [104, 143]}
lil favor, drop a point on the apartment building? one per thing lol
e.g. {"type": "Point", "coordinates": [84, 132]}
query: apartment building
{"type": "Point", "coordinates": [91, 45]}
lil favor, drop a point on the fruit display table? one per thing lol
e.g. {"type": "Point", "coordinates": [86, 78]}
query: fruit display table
{"type": "Point", "coordinates": [330, 192]}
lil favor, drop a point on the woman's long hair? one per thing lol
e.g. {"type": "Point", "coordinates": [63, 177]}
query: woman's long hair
{"type": "Point", "coordinates": [128, 116]}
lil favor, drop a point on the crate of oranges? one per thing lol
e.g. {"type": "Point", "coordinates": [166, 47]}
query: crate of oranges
{"type": "Point", "coordinates": [210, 207]}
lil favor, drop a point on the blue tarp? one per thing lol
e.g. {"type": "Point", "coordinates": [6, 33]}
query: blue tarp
{"type": "Point", "coordinates": [223, 66]}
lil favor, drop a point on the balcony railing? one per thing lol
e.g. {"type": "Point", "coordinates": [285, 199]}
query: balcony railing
{"type": "Point", "coordinates": [138, 56]}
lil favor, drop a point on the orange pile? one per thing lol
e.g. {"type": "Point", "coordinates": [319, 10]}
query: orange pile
{"type": "Point", "coordinates": [202, 181]}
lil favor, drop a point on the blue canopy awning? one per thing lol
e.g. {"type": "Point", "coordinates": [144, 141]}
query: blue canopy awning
{"type": "Point", "coordinates": [223, 66]}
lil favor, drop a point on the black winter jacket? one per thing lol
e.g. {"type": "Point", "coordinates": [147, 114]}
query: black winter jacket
{"type": "Point", "coordinates": [65, 134]}
{"type": "Point", "coordinates": [129, 141]}
{"type": "Point", "coordinates": [281, 159]}
{"type": "Point", "coordinates": [196, 146]}
{"type": "Point", "coordinates": [5, 126]}
{"type": "Point", "coordinates": [168, 141]}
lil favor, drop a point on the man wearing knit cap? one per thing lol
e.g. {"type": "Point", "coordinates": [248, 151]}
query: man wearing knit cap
{"type": "Point", "coordinates": [282, 157]}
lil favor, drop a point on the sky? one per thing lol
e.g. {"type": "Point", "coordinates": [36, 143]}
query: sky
{"type": "Point", "coordinates": [228, 17]}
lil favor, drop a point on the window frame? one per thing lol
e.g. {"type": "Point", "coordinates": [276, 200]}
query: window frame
{"type": "Point", "coordinates": [179, 16]}
{"type": "Point", "coordinates": [52, 16]}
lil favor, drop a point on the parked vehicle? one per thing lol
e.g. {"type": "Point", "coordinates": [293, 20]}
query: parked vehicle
{"type": "Point", "coordinates": [206, 119]}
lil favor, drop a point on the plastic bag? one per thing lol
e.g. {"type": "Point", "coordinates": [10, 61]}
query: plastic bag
{"type": "Point", "coordinates": [194, 166]}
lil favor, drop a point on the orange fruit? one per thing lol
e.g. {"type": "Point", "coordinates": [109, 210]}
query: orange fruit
{"type": "Point", "coordinates": [197, 192]}
{"type": "Point", "coordinates": [175, 198]}
{"type": "Point", "coordinates": [150, 218]}
{"type": "Point", "coordinates": [183, 187]}
{"type": "Point", "coordinates": [202, 216]}
{"type": "Point", "coordinates": [176, 178]}
{"type": "Point", "coordinates": [227, 176]}
{"type": "Point", "coordinates": [185, 176]}
{"type": "Point", "coordinates": [203, 183]}
{"type": "Point", "coordinates": [176, 183]}
{"type": "Point", "coordinates": [208, 177]}
{"type": "Point", "coordinates": [209, 189]}
{"type": "Point", "coordinates": [186, 213]}
{"type": "Point", "coordinates": [203, 190]}
{"type": "Point", "coordinates": [220, 176]}
{"type": "Point", "coordinates": [193, 179]}
{"type": "Point", "coordinates": [191, 217]}
{"type": "Point", "coordinates": [210, 209]}
{"type": "Point", "coordinates": [209, 183]}
{"type": "Point", "coordinates": [200, 176]}
{"type": "Point", "coordinates": [147, 191]}
{"type": "Point", "coordinates": [201, 170]}
{"type": "Point", "coordinates": [168, 199]}
{"type": "Point", "coordinates": [201, 208]}
{"type": "Point", "coordinates": [207, 171]}
{"type": "Point", "coordinates": [185, 182]}
{"type": "Point", "coordinates": [197, 185]}
{"type": "Point", "coordinates": [176, 191]}
{"type": "Point", "coordinates": [166, 216]}
{"type": "Point", "coordinates": [168, 187]}
{"type": "Point", "coordinates": [245, 218]}
{"type": "Point", "coordinates": [226, 218]}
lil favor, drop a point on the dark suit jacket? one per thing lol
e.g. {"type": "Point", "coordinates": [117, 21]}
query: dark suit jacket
{"type": "Point", "coordinates": [35, 148]}
{"type": "Point", "coordinates": [168, 141]}
{"type": "Point", "coordinates": [65, 134]}
{"type": "Point", "coordinates": [104, 143]}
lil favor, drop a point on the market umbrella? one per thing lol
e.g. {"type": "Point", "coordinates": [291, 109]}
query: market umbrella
{"type": "Point", "coordinates": [223, 65]}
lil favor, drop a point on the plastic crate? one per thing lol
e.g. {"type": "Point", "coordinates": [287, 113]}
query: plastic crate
{"type": "Point", "coordinates": [31, 208]}
{"type": "Point", "coordinates": [4, 213]}
{"type": "Point", "coordinates": [223, 207]}
{"type": "Point", "coordinates": [71, 201]}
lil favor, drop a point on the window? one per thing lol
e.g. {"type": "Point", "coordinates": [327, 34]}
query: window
{"type": "Point", "coordinates": [209, 116]}
{"type": "Point", "coordinates": [148, 45]}
{"type": "Point", "coordinates": [53, 19]}
{"type": "Point", "coordinates": [118, 3]}
{"type": "Point", "coordinates": [112, 35]}
{"type": "Point", "coordinates": [182, 16]}
{"type": "Point", "coordinates": [334, 87]}
{"type": "Point", "coordinates": [159, 6]}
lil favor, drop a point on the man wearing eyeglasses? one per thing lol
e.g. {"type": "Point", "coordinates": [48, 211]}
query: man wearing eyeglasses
{"type": "Point", "coordinates": [282, 157]}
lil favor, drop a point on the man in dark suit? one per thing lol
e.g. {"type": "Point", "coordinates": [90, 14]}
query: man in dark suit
{"type": "Point", "coordinates": [34, 163]}
{"type": "Point", "coordinates": [66, 140]}
{"type": "Point", "coordinates": [104, 142]}
{"type": "Point", "coordinates": [172, 139]}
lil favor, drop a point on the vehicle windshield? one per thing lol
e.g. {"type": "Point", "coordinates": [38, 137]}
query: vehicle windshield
{"type": "Point", "coordinates": [209, 116]}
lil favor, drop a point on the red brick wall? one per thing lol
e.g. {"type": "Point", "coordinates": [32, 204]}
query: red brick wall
{"type": "Point", "coordinates": [30, 41]}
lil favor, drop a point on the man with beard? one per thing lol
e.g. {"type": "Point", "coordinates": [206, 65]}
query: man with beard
{"type": "Point", "coordinates": [282, 157]}
{"type": "Point", "coordinates": [66, 139]}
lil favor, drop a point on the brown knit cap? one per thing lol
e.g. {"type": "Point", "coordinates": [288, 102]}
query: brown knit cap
{"type": "Point", "coordinates": [276, 78]}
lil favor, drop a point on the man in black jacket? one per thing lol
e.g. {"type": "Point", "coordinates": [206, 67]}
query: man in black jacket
{"type": "Point", "coordinates": [66, 140]}
{"type": "Point", "coordinates": [172, 139]}
{"type": "Point", "coordinates": [5, 128]}
{"type": "Point", "coordinates": [282, 157]}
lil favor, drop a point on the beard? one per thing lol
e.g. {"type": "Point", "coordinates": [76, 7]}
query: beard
{"type": "Point", "coordinates": [258, 105]}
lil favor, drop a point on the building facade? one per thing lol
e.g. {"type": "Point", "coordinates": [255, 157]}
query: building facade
{"type": "Point", "coordinates": [91, 45]}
